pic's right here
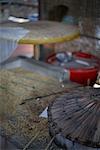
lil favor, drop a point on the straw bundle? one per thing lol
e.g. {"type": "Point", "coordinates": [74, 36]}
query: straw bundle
{"type": "Point", "coordinates": [21, 122]}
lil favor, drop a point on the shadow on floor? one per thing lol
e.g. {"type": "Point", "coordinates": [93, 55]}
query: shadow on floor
{"type": "Point", "coordinates": [6, 145]}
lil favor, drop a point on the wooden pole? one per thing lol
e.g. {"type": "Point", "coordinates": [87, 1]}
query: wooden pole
{"type": "Point", "coordinates": [36, 52]}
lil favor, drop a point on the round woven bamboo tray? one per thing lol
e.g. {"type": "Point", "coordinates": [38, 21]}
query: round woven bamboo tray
{"type": "Point", "coordinates": [75, 116]}
{"type": "Point", "coordinates": [41, 32]}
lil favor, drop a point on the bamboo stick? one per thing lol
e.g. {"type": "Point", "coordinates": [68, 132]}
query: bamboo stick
{"type": "Point", "coordinates": [30, 142]}
{"type": "Point", "coordinates": [50, 143]}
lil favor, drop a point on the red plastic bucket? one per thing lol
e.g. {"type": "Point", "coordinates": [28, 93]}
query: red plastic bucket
{"type": "Point", "coordinates": [85, 76]}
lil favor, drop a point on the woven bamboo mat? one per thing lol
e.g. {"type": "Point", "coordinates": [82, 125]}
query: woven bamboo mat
{"type": "Point", "coordinates": [20, 106]}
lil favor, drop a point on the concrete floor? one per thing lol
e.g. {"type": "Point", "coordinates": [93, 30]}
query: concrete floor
{"type": "Point", "coordinates": [6, 145]}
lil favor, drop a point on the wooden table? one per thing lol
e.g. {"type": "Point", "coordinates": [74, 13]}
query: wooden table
{"type": "Point", "coordinates": [43, 32]}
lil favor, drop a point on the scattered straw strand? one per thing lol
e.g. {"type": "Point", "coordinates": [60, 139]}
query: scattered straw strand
{"type": "Point", "coordinates": [29, 143]}
{"type": "Point", "coordinates": [50, 143]}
